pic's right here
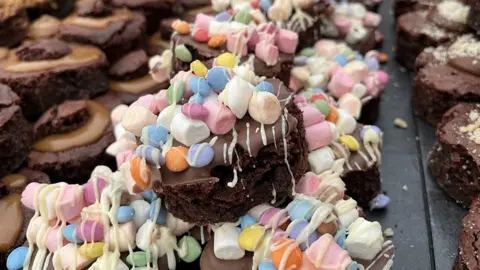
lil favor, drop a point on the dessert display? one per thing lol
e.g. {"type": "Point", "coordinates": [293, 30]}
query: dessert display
{"type": "Point", "coordinates": [455, 161]}
{"type": "Point", "coordinates": [446, 75]}
{"type": "Point", "coordinates": [116, 31]}
{"type": "Point", "coordinates": [48, 72]}
{"type": "Point", "coordinates": [467, 258]}
{"type": "Point", "coordinates": [354, 24]}
{"type": "Point", "coordinates": [13, 24]}
{"type": "Point", "coordinates": [420, 29]}
{"type": "Point", "coordinates": [15, 132]}
{"type": "Point", "coordinates": [70, 140]}
{"type": "Point", "coordinates": [355, 81]}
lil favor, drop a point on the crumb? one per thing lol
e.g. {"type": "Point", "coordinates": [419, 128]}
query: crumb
{"type": "Point", "coordinates": [405, 188]}
{"type": "Point", "coordinates": [388, 232]}
{"type": "Point", "coordinates": [400, 123]}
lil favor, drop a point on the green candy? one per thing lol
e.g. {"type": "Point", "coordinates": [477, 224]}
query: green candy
{"type": "Point", "coordinates": [243, 16]}
{"type": "Point", "coordinates": [137, 258]}
{"type": "Point", "coordinates": [322, 106]}
{"type": "Point", "coordinates": [308, 52]}
{"type": "Point", "coordinates": [183, 54]}
{"type": "Point", "coordinates": [191, 247]}
{"type": "Point", "coordinates": [175, 92]}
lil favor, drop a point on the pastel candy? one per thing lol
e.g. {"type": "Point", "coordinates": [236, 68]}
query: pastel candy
{"type": "Point", "coordinates": [236, 44]}
{"type": "Point", "coordinates": [220, 119]}
{"type": "Point", "coordinates": [246, 72]}
{"type": "Point", "coordinates": [192, 247]}
{"type": "Point", "coordinates": [359, 90]}
{"type": "Point", "coordinates": [257, 211]}
{"type": "Point", "coordinates": [35, 226]}
{"type": "Point", "coordinates": [383, 77]}
{"type": "Point", "coordinates": [266, 266]}
{"type": "Point", "coordinates": [91, 250]}
{"type": "Point", "coordinates": [298, 230]}
{"type": "Point", "coordinates": [347, 212]}
{"type": "Point", "coordinates": [176, 159]}
{"type": "Point", "coordinates": [311, 115]}
{"type": "Point", "coordinates": [365, 239]}
{"type": "Point", "coordinates": [136, 118]}
{"type": "Point", "coordinates": [246, 221]}
{"type": "Point", "coordinates": [175, 92]}
{"type": "Point", "coordinates": [287, 41]}
{"type": "Point", "coordinates": [137, 258]}
{"type": "Point", "coordinates": [93, 213]}
{"type": "Point", "coordinates": [16, 258]}
{"type": "Point", "coordinates": [197, 99]}
{"type": "Point", "coordinates": [158, 213]}
{"type": "Point", "coordinates": [343, 24]}
{"type": "Point", "coordinates": [340, 84]}
{"type": "Point", "coordinates": [218, 77]}
{"type": "Point", "coordinates": [203, 21]}
{"type": "Point", "coordinates": [372, 19]}
{"type": "Point", "coordinates": [300, 209]}
{"type": "Point", "coordinates": [200, 155]}
{"type": "Point", "coordinates": [325, 48]}
{"type": "Point", "coordinates": [267, 52]}
{"type": "Point", "coordinates": [340, 59]}
{"type": "Point", "coordinates": [225, 244]}
{"type": "Point", "coordinates": [264, 107]}
{"type": "Point", "coordinates": [216, 28]}
{"type": "Point", "coordinates": [153, 156]}
{"type": "Point", "coordinates": [53, 243]}
{"type": "Point", "coordinates": [93, 188]}
{"type": "Point", "coordinates": [142, 212]}
{"type": "Point", "coordinates": [182, 78]}
{"type": "Point", "coordinates": [29, 195]}
{"type": "Point", "coordinates": [268, 215]}
{"type": "Point", "coordinates": [287, 254]}
{"type": "Point", "coordinates": [147, 102]}
{"type": "Point", "coordinates": [70, 234]}
{"type": "Point", "coordinates": [318, 135]}
{"type": "Point", "coordinates": [91, 231]}
{"type": "Point", "coordinates": [125, 214]}
{"type": "Point", "coordinates": [149, 195]}
{"type": "Point", "coordinates": [166, 116]}
{"type": "Point", "coordinates": [178, 226]}
{"type": "Point", "coordinates": [351, 104]}
{"type": "Point", "coordinates": [189, 131]}
{"type": "Point", "coordinates": [117, 113]}
{"type": "Point", "coordinates": [308, 185]}
{"type": "Point", "coordinates": [70, 258]}
{"type": "Point", "coordinates": [50, 194]}
{"type": "Point", "coordinates": [325, 253]}
{"type": "Point", "coordinates": [123, 157]}
{"type": "Point", "coordinates": [71, 203]}
{"type": "Point", "coordinates": [321, 159]}
{"type": "Point", "coordinates": [222, 17]}
{"type": "Point", "coordinates": [345, 123]}
{"type": "Point", "coordinates": [121, 145]}
{"type": "Point", "coordinates": [357, 70]}
{"type": "Point", "coordinates": [372, 63]}
{"type": "Point", "coordinates": [194, 111]}
{"type": "Point", "coordinates": [199, 85]}
{"type": "Point", "coordinates": [251, 237]}
{"type": "Point", "coordinates": [236, 96]}
{"type": "Point", "coordinates": [154, 135]}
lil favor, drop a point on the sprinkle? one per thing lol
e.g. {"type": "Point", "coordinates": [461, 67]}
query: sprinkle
{"type": "Point", "coordinates": [183, 54]}
{"type": "Point", "coordinates": [181, 27]}
{"type": "Point", "coordinates": [400, 123]}
{"type": "Point", "coordinates": [217, 40]}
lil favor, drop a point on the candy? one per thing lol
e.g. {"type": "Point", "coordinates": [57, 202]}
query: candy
{"type": "Point", "coordinates": [199, 86]}
{"type": "Point", "coordinates": [178, 226]}
{"type": "Point", "coordinates": [300, 209]}
{"type": "Point", "coordinates": [16, 259]}
{"type": "Point", "coordinates": [200, 35]}
{"type": "Point", "coordinates": [153, 156]}
{"type": "Point", "coordinates": [300, 60]}
{"type": "Point", "coordinates": [225, 244]}
{"type": "Point", "coordinates": [141, 175]}
{"type": "Point", "coordinates": [345, 123]}
{"type": "Point", "coordinates": [298, 231]}
{"type": "Point", "coordinates": [372, 63]}
{"type": "Point", "coordinates": [218, 77]}
{"type": "Point", "coordinates": [236, 96]}
{"type": "Point", "coordinates": [90, 231]}
{"type": "Point", "coordinates": [237, 43]}
{"type": "Point", "coordinates": [202, 21]}
{"type": "Point", "coordinates": [286, 254]}
{"type": "Point", "coordinates": [340, 84]}
{"type": "Point", "coordinates": [93, 213]}
{"type": "Point", "coordinates": [223, 17]}
{"type": "Point", "coordinates": [311, 115]}
{"type": "Point", "coordinates": [117, 113]}
{"type": "Point", "coordinates": [69, 257]}
{"type": "Point", "coordinates": [70, 233]}
{"type": "Point", "coordinates": [92, 190]}
{"type": "Point", "coordinates": [175, 159]}
{"type": "Point", "coordinates": [149, 195]}
{"type": "Point", "coordinates": [267, 52]}
{"type": "Point", "coordinates": [383, 57]}
{"type": "Point", "coordinates": [175, 92]}
{"type": "Point", "coordinates": [325, 253]}
{"type": "Point", "coordinates": [188, 131]}
{"type": "Point", "coordinates": [137, 258]}
{"type": "Point", "coordinates": [323, 107]}
{"type": "Point", "coordinates": [181, 27]}
{"type": "Point", "coordinates": [137, 117]}
{"type": "Point", "coordinates": [379, 202]}
{"type": "Point", "coordinates": [226, 60]}
{"type": "Point", "coordinates": [266, 266]}
{"type": "Point", "coordinates": [200, 155]}
{"type": "Point", "coordinates": [183, 54]}
{"type": "Point", "coordinates": [357, 70]}
{"type": "Point", "coordinates": [154, 136]}
{"type": "Point", "coordinates": [251, 237]}
{"type": "Point", "coordinates": [147, 102]}
{"type": "Point", "coordinates": [350, 142]}
{"type": "Point", "coordinates": [242, 16]}
{"type": "Point", "coordinates": [217, 40]}
{"type": "Point", "coordinates": [55, 241]}
{"type": "Point", "coordinates": [220, 119]}
{"type": "Point", "coordinates": [383, 77]}
{"type": "Point", "coordinates": [125, 214]}
{"type": "Point", "coordinates": [308, 52]}
{"type": "Point", "coordinates": [347, 212]}
{"type": "Point", "coordinates": [365, 239]}
{"type": "Point", "coordinates": [246, 221]}
{"type": "Point", "coordinates": [160, 100]}
{"type": "Point", "coordinates": [359, 90]}
{"type": "Point", "coordinates": [194, 111]}
{"type": "Point", "coordinates": [199, 68]}
{"type": "Point", "coordinates": [333, 115]}
{"type": "Point", "coordinates": [197, 99]}
{"type": "Point", "coordinates": [287, 41]}
{"type": "Point", "coordinates": [318, 135]}
{"type": "Point", "coordinates": [166, 116]}
{"type": "Point", "coordinates": [192, 248]}
{"type": "Point", "coordinates": [141, 212]}
{"type": "Point", "coordinates": [351, 104]}
{"type": "Point", "coordinates": [158, 213]}
{"type": "Point", "coordinates": [341, 60]}
{"type": "Point", "coordinates": [271, 215]}
{"type": "Point", "coordinates": [265, 87]}
{"type": "Point", "coordinates": [71, 203]}
{"type": "Point", "coordinates": [308, 185]}
{"type": "Point", "coordinates": [264, 108]}
{"type": "Point", "coordinates": [321, 159]}
{"type": "Point", "coordinates": [91, 250]}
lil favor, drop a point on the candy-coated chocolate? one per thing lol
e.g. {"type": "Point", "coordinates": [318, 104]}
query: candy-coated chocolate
{"type": "Point", "coordinates": [181, 27]}
{"type": "Point", "coordinates": [297, 228]}
{"type": "Point", "coordinates": [183, 53]}
{"type": "Point", "coordinates": [242, 16]}
{"type": "Point", "coordinates": [322, 106]}
{"type": "Point", "coordinates": [199, 68]}
{"type": "Point", "coordinates": [265, 87]}
{"type": "Point", "coordinates": [158, 211]}
{"type": "Point", "coordinates": [137, 259]}
{"type": "Point", "coordinates": [350, 142]}
{"type": "Point", "coordinates": [125, 214]}
{"type": "Point", "coordinates": [217, 40]}
{"type": "Point", "coordinates": [154, 135]}
{"type": "Point", "coordinates": [294, 256]}
{"type": "Point", "coordinates": [175, 159]}
{"type": "Point", "coordinates": [246, 221]}
{"type": "Point", "coordinates": [227, 60]}
{"type": "Point", "coordinates": [91, 250]}
{"type": "Point", "coordinates": [192, 248]}
{"type": "Point", "coordinates": [300, 209]}
{"type": "Point", "coordinates": [199, 86]}
{"type": "Point", "coordinates": [90, 231]}
{"type": "Point", "coordinates": [70, 233]}
{"type": "Point", "coordinates": [200, 35]}
{"type": "Point", "coordinates": [175, 92]}
{"type": "Point", "coordinates": [142, 212]}
{"type": "Point", "coordinates": [140, 172]}
{"type": "Point", "coordinates": [153, 156]}
{"type": "Point", "coordinates": [251, 237]}
{"type": "Point", "coordinates": [266, 266]}
{"type": "Point", "coordinates": [200, 155]}
{"type": "Point", "coordinates": [311, 115]}
{"type": "Point", "coordinates": [218, 77]}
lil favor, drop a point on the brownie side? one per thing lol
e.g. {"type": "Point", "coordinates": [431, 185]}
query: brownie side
{"type": "Point", "coordinates": [363, 185]}
{"type": "Point", "coordinates": [474, 16]}
{"type": "Point", "coordinates": [370, 111]}
{"type": "Point", "coordinates": [468, 243]}
{"type": "Point", "coordinates": [13, 27]}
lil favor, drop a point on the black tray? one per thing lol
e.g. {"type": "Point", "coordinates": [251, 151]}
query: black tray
{"type": "Point", "coordinates": [426, 222]}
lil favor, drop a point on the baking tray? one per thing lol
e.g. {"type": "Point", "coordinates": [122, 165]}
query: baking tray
{"type": "Point", "coordinates": [426, 222]}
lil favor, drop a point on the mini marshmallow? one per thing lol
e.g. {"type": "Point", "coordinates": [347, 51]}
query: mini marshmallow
{"type": "Point", "coordinates": [218, 28]}
{"type": "Point", "coordinates": [147, 102]}
{"type": "Point", "coordinates": [178, 226]}
{"type": "Point", "coordinates": [225, 244]}
{"type": "Point", "coordinates": [236, 96]}
{"type": "Point", "coordinates": [71, 203]}
{"type": "Point", "coordinates": [70, 258]}
{"type": "Point", "coordinates": [346, 124]}
{"type": "Point", "coordinates": [220, 119]}
{"type": "Point", "coordinates": [257, 211]}
{"type": "Point", "coordinates": [35, 226]}
{"type": "Point", "coordinates": [142, 212]}
{"type": "Point", "coordinates": [335, 131]}
{"type": "Point", "coordinates": [264, 108]}
{"type": "Point", "coordinates": [125, 238]}
{"type": "Point", "coordinates": [372, 19]}
{"type": "Point", "coordinates": [351, 104]}
{"type": "Point", "coordinates": [308, 184]}
{"type": "Point", "coordinates": [340, 84]}
{"type": "Point", "coordinates": [357, 33]}
{"type": "Point", "coordinates": [145, 234]}
{"type": "Point", "coordinates": [136, 118]}
{"type": "Point", "coordinates": [91, 194]}
{"type": "Point", "coordinates": [123, 157]}
{"type": "Point", "coordinates": [365, 239]}
{"type": "Point", "coordinates": [357, 70]}
{"type": "Point", "coordinates": [311, 115]}
{"type": "Point", "coordinates": [51, 194]}
{"type": "Point", "coordinates": [321, 159]}
{"type": "Point", "coordinates": [120, 132]}
{"type": "Point", "coordinates": [318, 135]}
{"type": "Point", "coordinates": [52, 242]}
{"type": "Point", "coordinates": [160, 100]}
{"type": "Point", "coordinates": [203, 21]}
{"type": "Point", "coordinates": [326, 48]}
{"type": "Point", "coordinates": [267, 52]}
{"type": "Point", "coordinates": [182, 76]}
{"type": "Point", "coordinates": [166, 116]}
{"type": "Point", "coordinates": [359, 90]}
{"type": "Point", "coordinates": [245, 72]}
{"type": "Point", "coordinates": [347, 212]}
{"type": "Point", "coordinates": [93, 213]}
{"type": "Point", "coordinates": [121, 146]}
{"type": "Point", "coordinates": [317, 81]}
{"type": "Point", "coordinates": [287, 41]}
{"type": "Point", "coordinates": [30, 194]}
{"type": "Point", "coordinates": [117, 113]}
{"type": "Point", "coordinates": [188, 131]}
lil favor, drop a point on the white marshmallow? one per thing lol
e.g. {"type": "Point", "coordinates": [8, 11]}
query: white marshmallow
{"type": "Point", "coordinates": [218, 28]}
{"type": "Point", "coordinates": [264, 107]}
{"type": "Point", "coordinates": [144, 234]}
{"type": "Point", "coordinates": [188, 131]}
{"type": "Point", "coordinates": [351, 103]}
{"type": "Point", "coordinates": [357, 33]}
{"type": "Point", "coordinates": [177, 225]}
{"type": "Point", "coordinates": [117, 113]}
{"type": "Point", "coordinates": [346, 124]}
{"type": "Point", "coordinates": [347, 212]}
{"type": "Point", "coordinates": [166, 116]}
{"type": "Point", "coordinates": [136, 118]}
{"type": "Point", "coordinates": [359, 90]}
{"type": "Point", "coordinates": [142, 212]}
{"type": "Point", "coordinates": [236, 96]}
{"type": "Point", "coordinates": [126, 237]}
{"type": "Point", "coordinates": [365, 239]}
{"type": "Point", "coordinates": [258, 211]}
{"type": "Point", "coordinates": [321, 159]}
{"type": "Point", "coordinates": [225, 242]}
{"type": "Point", "coordinates": [69, 255]}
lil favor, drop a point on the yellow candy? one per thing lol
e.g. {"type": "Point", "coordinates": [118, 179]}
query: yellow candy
{"type": "Point", "coordinates": [226, 60]}
{"type": "Point", "coordinates": [198, 68]}
{"type": "Point", "coordinates": [251, 237]}
{"type": "Point", "coordinates": [91, 250]}
{"type": "Point", "coordinates": [350, 142]}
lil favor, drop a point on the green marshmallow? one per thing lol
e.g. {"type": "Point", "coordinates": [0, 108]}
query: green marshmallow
{"type": "Point", "coordinates": [175, 92]}
{"type": "Point", "coordinates": [322, 106]}
{"type": "Point", "coordinates": [183, 54]}
{"type": "Point", "coordinates": [191, 247]}
{"type": "Point", "coordinates": [137, 258]}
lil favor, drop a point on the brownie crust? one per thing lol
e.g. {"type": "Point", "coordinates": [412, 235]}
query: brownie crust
{"type": "Point", "coordinates": [468, 243]}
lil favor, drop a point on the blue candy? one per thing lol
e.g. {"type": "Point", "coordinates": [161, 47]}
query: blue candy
{"type": "Point", "coordinates": [149, 195]}
{"type": "Point", "coordinates": [265, 87]}
{"type": "Point", "coordinates": [299, 209]}
{"type": "Point", "coordinates": [154, 136]}
{"type": "Point", "coordinates": [196, 99]}
{"type": "Point", "coordinates": [340, 238]}
{"type": "Point", "coordinates": [246, 221]}
{"type": "Point", "coordinates": [199, 86]}
{"type": "Point", "coordinates": [162, 213]}
{"type": "Point", "coordinates": [125, 214]}
{"type": "Point", "coordinates": [69, 232]}
{"type": "Point", "coordinates": [217, 78]}
{"type": "Point", "coordinates": [201, 159]}
{"type": "Point", "coordinates": [318, 90]}
{"type": "Point", "coordinates": [374, 128]}
{"type": "Point", "coordinates": [379, 202]}
{"type": "Point", "coordinates": [341, 59]}
{"type": "Point", "coordinates": [298, 228]}
{"type": "Point", "coordinates": [223, 17]}
{"type": "Point", "coordinates": [266, 266]}
{"type": "Point", "coordinates": [354, 265]}
{"type": "Point", "coordinates": [300, 60]}
{"type": "Point", "coordinates": [17, 257]}
{"type": "Point", "coordinates": [265, 5]}
{"type": "Point", "coordinates": [152, 155]}
{"type": "Point", "coordinates": [358, 56]}
{"type": "Point", "coordinates": [372, 64]}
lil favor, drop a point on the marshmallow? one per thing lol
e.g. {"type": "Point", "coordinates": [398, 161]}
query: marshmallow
{"type": "Point", "coordinates": [123, 237]}
{"type": "Point", "coordinates": [203, 21]}
{"type": "Point", "coordinates": [122, 145]}
{"type": "Point", "coordinates": [93, 189]}
{"type": "Point", "coordinates": [136, 118]}
{"type": "Point", "coordinates": [142, 212]}
{"type": "Point", "coordinates": [145, 233]}
{"type": "Point", "coordinates": [267, 52]}
{"type": "Point", "coordinates": [347, 212]}
{"type": "Point", "coordinates": [30, 194]}
{"type": "Point", "coordinates": [318, 135]}
{"type": "Point", "coordinates": [236, 96]}
{"type": "Point", "coordinates": [359, 90]}
{"type": "Point", "coordinates": [257, 211]}
{"type": "Point", "coordinates": [188, 131]}
{"type": "Point", "coordinates": [346, 124]}
{"type": "Point", "coordinates": [325, 253]}
{"type": "Point", "coordinates": [50, 193]}
{"type": "Point", "coordinates": [218, 28]}
{"type": "Point", "coordinates": [365, 239]}
{"type": "Point", "coordinates": [33, 229]}
{"type": "Point", "coordinates": [287, 41]}
{"type": "Point", "coordinates": [71, 203]}
{"type": "Point", "coordinates": [237, 43]}
{"type": "Point", "coordinates": [93, 213]}
{"type": "Point", "coordinates": [70, 258]}
{"type": "Point", "coordinates": [321, 159]}
{"type": "Point", "coordinates": [160, 100]}
{"type": "Point", "coordinates": [264, 108]}
{"type": "Point", "coordinates": [117, 113]}
{"type": "Point", "coordinates": [311, 115]}
{"type": "Point", "coordinates": [357, 33]}
{"type": "Point", "coordinates": [166, 116]}
{"type": "Point", "coordinates": [91, 231]}
{"type": "Point", "coordinates": [225, 244]}
{"type": "Point", "coordinates": [326, 48]}
{"type": "Point", "coordinates": [53, 243]}
{"type": "Point", "coordinates": [147, 102]}
{"type": "Point", "coordinates": [351, 104]}
{"type": "Point", "coordinates": [123, 157]}
{"type": "Point", "coordinates": [372, 19]}
{"type": "Point", "coordinates": [178, 226]}
{"type": "Point", "coordinates": [357, 70]}
{"type": "Point", "coordinates": [220, 119]}
{"type": "Point", "coordinates": [340, 84]}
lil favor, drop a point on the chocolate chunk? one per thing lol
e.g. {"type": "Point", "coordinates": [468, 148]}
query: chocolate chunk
{"type": "Point", "coordinates": [131, 66]}
{"type": "Point", "coordinates": [62, 118]}
{"type": "Point", "coordinates": [93, 8]}
{"type": "Point", "coordinates": [7, 96]}
{"type": "Point", "coordinates": [43, 50]}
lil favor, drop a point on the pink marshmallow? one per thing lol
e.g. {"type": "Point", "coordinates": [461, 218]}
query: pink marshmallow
{"type": "Point", "coordinates": [89, 192]}
{"type": "Point", "coordinates": [220, 119]}
{"type": "Point", "coordinates": [340, 84]}
{"type": "Point", "coordinates": [301, 101]}
{"type": "Point", "coordinates": [91, 231]}
{"type": "Point", "coordinates": [334, 68]}
{"type": "Point", "coordinates": [311, 116]}
{"type": "Point", "coordinates": [184, 76]}
{"type": "Point", "coordinates": [123, 157]}
{"type": "Point", "coordinates": [287, 41]}
{"type": "Point", "coordinates": [269, 214]}
{"type": "Point", "coordinates": [268, 28]}
{"type": "Point", "coordinates": [71, 259]}
{"type": "Point", "coordinates": [254, 39]}
{"type": "Point", "coordinates": [267, 52]}
{"type": "Point", "coordinates": [343, 24]}
{"type": "Point", "coordinates": [326, 48]}
{"type": "Point", "coordinates": [279, 234]}
{"type": "Point", "coordinates": [295, 84]}
{"type": "Point", "coordinates": [53, 241]}
{"type": "Point", "coordinates": [203, 21]}
{"type": "Point", "coordinates": [318, 135]}
{"type": "Point", "coordinates": [147, 102]}
{"type": "Point", "coordinates": [29, 195]}
{"type": "Point", "coordinates": [71, 203]}
{"type": "Point", "coordinates": [383, 77]}
{"type": "Point", "coordinates": [372, 19]}
{"type": "Point", "coordinates": [325, 253]}
{"type": "Point", "coordinates": [372, 85]}
{"type": "Point", "coordinates": [357, 70]}
{"type": "Point", "coordinates": [372, 54]}
{"type": "Point", "coordinates": [308, 185]}
{"type": "Point", "coordinates": [237, 43]}
{"type": "Point", "coordinates": [160, 101]}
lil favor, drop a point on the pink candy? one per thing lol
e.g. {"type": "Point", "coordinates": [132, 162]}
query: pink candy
{"type": "Point", "coordinates": [220, 119]}
{"type": "Point", "coordinates": [184, 76]}
{"type": "Point", "coordinates": [340, 84]}
{"type": "Point", "coordinates": [318, 135]}
{"type": "Point", "coordinates": [343, 24]}
{"type": "Point", "coordinates": [254, 39]}
{"type": "Point", "coordinates": [372, 19]}
{"type": "Point", "coordinates": [123, 157]}
{"type": "Point", "coordinates": [267, 52]}
{"type": "Point", "coordinates": [28, 195]}
{"type": "Point", "coordinates": [325, 253]}
{"type": "Point", "coordinates": [301, 101]}
{"type": "Point", "coordinates": [237, 43]}
{"type": "Point", "coordinates": [269, 214]}
{"type": "Point", "coordinates": [52, 239]}
{"type": "Point", "coordinates": [295, 84]}
{"type": "Point", "coordinates": [160, 101]}
{"type": "Point", "coordinates": [91, 231]}
{"type": "Point", "coordinates": [308, 185]}
{"type": "Point", "coordinates": [287, 41]}
{"type": "Point", "coordinates": [147, 102]}
{"type": "Point", "coordinates": [357, 70]}
{"type": "Point", "coordinates": [89, 194]}
{"type": "Point", "coordinates": [383, 77]}
{"type": "Point", "coordinates": [194, 111]}
{"type": "Point", "coordinates": [311, 116]}
{"type": "Point", "coordinates": [72, 203]}
{"type": "Point", "coordinates": [203, 21]}
{"type": "Point", "coordinates": [268, 28]}
{"type": "Point", "coordinates": [326, 48]}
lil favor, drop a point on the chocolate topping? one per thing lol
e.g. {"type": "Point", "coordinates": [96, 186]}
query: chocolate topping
{"type": "Point", "coordinates": [7, 96]}
{"type": "Point", "coordinates": [132, 66]}
{"type": "Point", "coordinates": [44, 50]}
{"type": "Point", "coordinates": [63, 118]}
{"type": "Point", "coordinates": [93, 8]}
{"type": "Point", "coordinates": [208, 260]}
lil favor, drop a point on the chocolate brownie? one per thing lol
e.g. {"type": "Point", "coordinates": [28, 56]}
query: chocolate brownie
{"type": "Point", "coordinates": [157, 43]}
{"type": "Point", "coordinates": [57, 8]}
{"type": "Point", "coordinates": [468, 253]}
{"type": "Point", "coordinates": [71, 139]}
{"type": "Point", "coordinates": [474, 16]}
{"type": "Point", "coordinates": [48, 72]}
{"type": "Point", "coordinates": [420, 29]}
{"type": "Point", "coordinates": [454, 160]}
{"type": "Point", "coordinates": [45, 27]}
{"type": "Point", "coordinates": [13, 24]}
{"type": "Point", "coordinates": [17, 217]}
{"type": "Point", "coordinates": [130, 77]}
{"type": "Point", "coordinates": [15, 132]}
{"type": "Point", "coordinates": [403, 6]}
{"type": "Point", "coordinates": [115, 31]}
{"type": "Point", "coordinates": [446, 75]}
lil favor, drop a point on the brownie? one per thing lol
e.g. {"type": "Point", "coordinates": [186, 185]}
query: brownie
{"type": "Point", "coordinates": [474, 16]}
{"type": "Point", "coordinates": [115, 31]}
{"type": "Point", "coordinates": [446, 76]}
{"type": "Point", "coordinates": [468, 245]}
{"type": "Point", "coordinates": [14, 228]}
{"type": "Point", "coordinates": [130, 77]}
{"type": "Point", "coordinates": [71, 139]}
{"type": "Point", "coordinates": [157, 43]}
{"type": "Point", "coordinates": [454, 160]}
{"type": "Point", "coordinates": [57, 8]}
{"type": "Point", "coordinates": [420, 29]}
{"type": "Point", "coordinates": [403, 6]}
{"type": "Point", "coordinates": [45, 27]}
{"type": "Point", "coordinates": [15, 132]}
{"type": "Point", "coordinates": [372, 5]}
{"type": "Point", "coordinates": [48, 72]}
{"type": "Point", "coordinates": [13, 25]}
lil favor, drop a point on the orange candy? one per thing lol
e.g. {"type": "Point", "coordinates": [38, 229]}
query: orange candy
{"type": "Point", "coordinates": [176, 159]}
{"type": "Point", "coordinates": [383, 57]}
{"type": "Point", "coordinates": [140, 170]}
{"type": "Point", "coordinates": [181, 27]}
{"type": "Point", "coordinates": [217, 40]}
{"type": "Point", "coordinates": [333, 115]}
{"type": "Point", "coordinates": [280, 249]}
